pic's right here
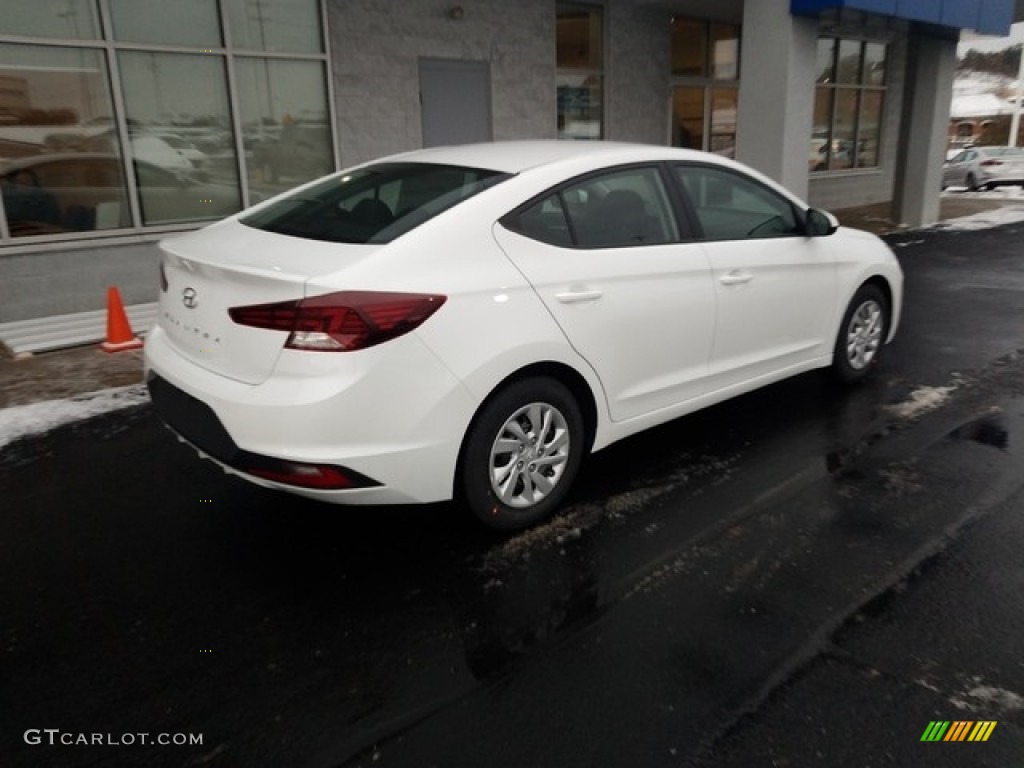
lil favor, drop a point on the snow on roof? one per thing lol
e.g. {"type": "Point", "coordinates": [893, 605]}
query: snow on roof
{"type": "Point", "coordinates": [979, 105]}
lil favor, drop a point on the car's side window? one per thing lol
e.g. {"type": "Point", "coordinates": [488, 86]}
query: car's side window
{"type": "Point", "coordinates": [959, 157]}
{"type": "Point", "coordinates": [617, 209]}
{"type": "Point", "coordinates": [621, 208]}
{"type": "Point", "coordinates": [546, 221]}
{"type": "Point", "coordinates": [730, 207]}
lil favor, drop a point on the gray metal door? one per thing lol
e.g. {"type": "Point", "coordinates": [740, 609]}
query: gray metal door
{"type": "Point", "coordinates": [455, 99]}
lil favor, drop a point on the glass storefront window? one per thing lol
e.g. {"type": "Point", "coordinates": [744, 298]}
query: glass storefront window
{"type": "Point", "coordinates": [194, 23]}
{"type": "Point", "coordinates": [826, 60]}
{"type": "Point", "coordinates": [725, 51]}
{"type": "Point", "coordinates": [848, 66]}
{"type": "Point", "coordinates": [579, 49]}
{"type": "Point", "coordinates": [874, 64]}
{"type": "Point", "coordinates": [579, 106]}
{"type": "Point", "coordinates": [688, 114]}
{"type": "Point", "coordinates": [285, 127]}
{"type": "Point", "coordinates": [724, 102]}
{"type": "Point", "coordinates": [60, 164]}
{"type": "Point", "coordinates": [870, 129]}
{"type": "Point", "coordinates": [164, 109]}
{"type": "Point", "coordinates": [848, 104]}
{"type": "Point", "coordinates": [196, 104]}
{"type": "Point", "coordinates": [579, 37]}
{"type": "Point", "coordinates": [72, 19]}
{"type": "Point", "coordinates": [705, 68]}
{"type": "Point", "coordinates": [291, 26]}
{"type": "Point", "coordinates": [689, 48]}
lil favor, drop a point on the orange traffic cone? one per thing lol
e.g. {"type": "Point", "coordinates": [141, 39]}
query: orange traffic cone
{"type": "Point", "coordinates": [119, 331]}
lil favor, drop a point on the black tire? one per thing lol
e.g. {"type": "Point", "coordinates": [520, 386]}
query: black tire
{"type": "Point", "coordinates": [861, 335]}
{"type": "Point", "coordinates": [480, 470]}
{"type": "Point", "coordinates": [972, 182]}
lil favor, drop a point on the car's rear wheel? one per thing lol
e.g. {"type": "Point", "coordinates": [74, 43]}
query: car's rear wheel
{"type": "Point", "coordinates": [522, 453]}
{"type": "Point", "coordinates": [861, 335]}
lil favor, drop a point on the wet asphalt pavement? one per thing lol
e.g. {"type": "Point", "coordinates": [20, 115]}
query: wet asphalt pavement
{"type": "Point", "coordinates": [804, 576]}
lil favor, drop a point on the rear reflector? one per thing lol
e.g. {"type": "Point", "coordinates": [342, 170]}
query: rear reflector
{"type": "Point", "coordinates": [343, 321]}
{"type": "Point", "coordinates": [326, 477]}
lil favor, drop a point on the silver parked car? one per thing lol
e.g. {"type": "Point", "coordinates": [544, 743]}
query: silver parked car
{"type": "Point", "coordinates": [984, 168]}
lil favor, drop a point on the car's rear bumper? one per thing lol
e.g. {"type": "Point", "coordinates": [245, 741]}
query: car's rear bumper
{"type": "Point", "coordinates": [395, 417]}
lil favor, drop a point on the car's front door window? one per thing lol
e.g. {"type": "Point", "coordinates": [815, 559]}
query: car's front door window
{"type": "Point", "coordinates": [730, 207]}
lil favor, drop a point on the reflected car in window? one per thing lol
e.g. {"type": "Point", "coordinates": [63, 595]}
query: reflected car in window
{"type": "Point", "coordinates": [984, 168]}
{"type": "Point", "coordinates": [77, 192]}
{"type": "Point", "coordinates": [472, 321]}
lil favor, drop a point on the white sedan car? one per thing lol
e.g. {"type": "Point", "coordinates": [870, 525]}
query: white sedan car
{"type": "Point", "coordinates": [471, 321]}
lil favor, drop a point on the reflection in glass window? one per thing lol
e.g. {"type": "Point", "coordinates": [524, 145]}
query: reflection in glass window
{"type": "Point", "coordinates": [182, 22]}
{"type": "Point", "coordinates": [59, 159]}
{"type": "Point", "coordinates": [580, 82]}
{"type": "Point", "coordinates": [689, 47]}
{"type": "Point", "coordinates": [688, 113]}
{"type": "Point", "coordinates": [291, 26]}
{"type": "Point", "coordinates": [161, 104]}
{"type": "Point", "coordinates": [285, 128]}
{"type": "Point", "coordinates": [579, 37]}
{"type": "Point", "coordinates": [848, 107]}
{"type": "Point", "coordinates": [724, 102]}
{"type": "Point", "coordinates": [826, 60]}
{"type": "Point", "coordinates": [725, 51]}
{"type": "Point", "coordinates": [72, 19]}
{"type": "Point", "coordinates": [731, 207]}
{"type": "Point", "coordinates": [705, 56]}
{"type": "Point", "coordinates": [579, 106]}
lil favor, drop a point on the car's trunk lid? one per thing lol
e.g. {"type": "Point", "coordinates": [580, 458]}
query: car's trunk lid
{"type": "Point", "coordinates": [232, 265]}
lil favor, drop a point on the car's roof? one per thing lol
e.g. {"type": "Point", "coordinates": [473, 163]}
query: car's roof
{"type": "Point", "coordinates": [518, 156]}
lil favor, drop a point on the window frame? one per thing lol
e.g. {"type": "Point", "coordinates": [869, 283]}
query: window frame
{"type": "Point", "coordinates": [229, 54]}
{"type": "Point", "coordinates": [708, 82]}
{"type": "Point", "coordinates": [860, 88]}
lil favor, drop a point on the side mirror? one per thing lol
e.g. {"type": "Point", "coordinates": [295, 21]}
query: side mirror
{"type": "Point", "coordinates": [821, 223]}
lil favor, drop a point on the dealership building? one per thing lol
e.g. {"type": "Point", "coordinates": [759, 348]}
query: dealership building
{"type": "Point", "coordinates": [124, 121]}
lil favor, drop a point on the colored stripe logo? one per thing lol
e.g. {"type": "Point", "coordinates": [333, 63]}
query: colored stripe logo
{"type": "Point", "coordinates": [958, 730]}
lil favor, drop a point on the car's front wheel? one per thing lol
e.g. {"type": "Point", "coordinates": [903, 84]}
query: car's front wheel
{"type": "Point", "coordinates": [861, 335]}
{"type": "Point", "coordinates": [522, 453]}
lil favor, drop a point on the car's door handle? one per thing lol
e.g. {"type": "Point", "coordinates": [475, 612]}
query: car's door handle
{"type": "Point", "coordinates": [575, 297]}
{"type": "Point", "coordinates": [735, 278]}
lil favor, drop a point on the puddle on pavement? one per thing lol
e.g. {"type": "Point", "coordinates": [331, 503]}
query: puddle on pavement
{"type": "Point", "coordinates": [989, 429]}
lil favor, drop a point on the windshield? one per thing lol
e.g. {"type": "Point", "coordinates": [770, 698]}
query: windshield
{"type": "Point", "coordinates": [375, 204]}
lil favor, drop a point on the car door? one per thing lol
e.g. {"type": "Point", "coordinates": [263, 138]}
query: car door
{"type": "Point", "coordinates": [954, 173]}
{"type": "Point", "coordinates": [633, 297]}
{"type": "Point", "coordinates": [775, 287]}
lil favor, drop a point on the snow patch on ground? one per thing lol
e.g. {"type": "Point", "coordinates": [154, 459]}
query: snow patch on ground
{"type": "Point", "coordinates": [36, 418]}
{"type": "Point", "coordinates": [921, 400]}
{"type": "Point", "coordinates": [987, 697]}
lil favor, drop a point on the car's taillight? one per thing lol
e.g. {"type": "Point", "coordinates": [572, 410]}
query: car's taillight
{"type": "Point", "coordinates": [163, 278]}
{"type": "Point", "coordinates": [991, 162]}
{"type": "Point", "coordinates": [343, 321]}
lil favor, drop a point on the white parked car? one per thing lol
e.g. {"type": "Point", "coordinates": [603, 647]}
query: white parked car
{"type": "Point", "coordinates": [471, 321]}
{"type": "Point", "coordinates": [984, 168]}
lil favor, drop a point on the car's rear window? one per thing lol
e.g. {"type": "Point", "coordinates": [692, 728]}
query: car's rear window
{"type": "Point", "coordinates": [375, 204]}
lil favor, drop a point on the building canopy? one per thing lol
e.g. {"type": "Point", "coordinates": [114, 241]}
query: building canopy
{"type": "Point", "coordinates": [989, 17]}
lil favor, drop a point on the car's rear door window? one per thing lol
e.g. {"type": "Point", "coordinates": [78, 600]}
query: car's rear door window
{"type": "Point", "coordinates": [620, 208]}
{"type": "Point", "coordinates": [375, 204]}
